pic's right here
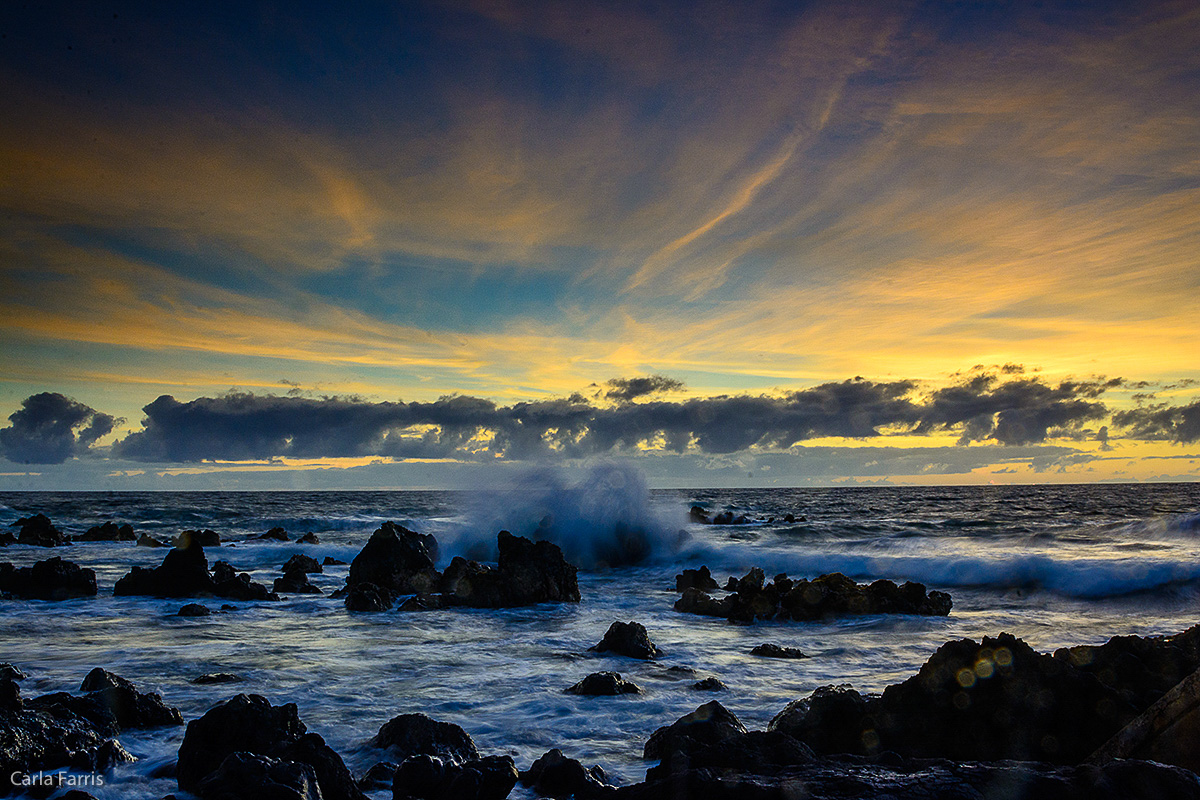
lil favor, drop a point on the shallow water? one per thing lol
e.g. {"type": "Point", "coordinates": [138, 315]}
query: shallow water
{"type": "Point", "coordinates": [1056, 566]}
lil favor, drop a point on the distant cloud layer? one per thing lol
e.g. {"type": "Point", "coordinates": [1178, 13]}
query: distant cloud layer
{"type": "Point", "coordinates": [50, 428]}
{"type": "Point", "coordinates": [984, 407]}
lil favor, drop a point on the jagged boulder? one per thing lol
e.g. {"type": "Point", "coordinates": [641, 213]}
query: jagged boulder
{"type": "Point", "coordinates": [397, 559]}
{"type": "Point", "coordinates": [184, 573]}
{"type": "Point", "coordinates": [368, 597]}
{"type": "Point", "coordinates": [204, 538]}
{"type": "Point", "coordinates": [52, 579]}
{"type": "Point", "coordinates": [700, 579]}
{"type": "Point", "coordinates": [295, 582]}
{"type": "Point", "coordinates": [302, 563]}
{"type": "Point", "coordinates": [526, 573]}
{"type": "Point", "coordinates": [555, 775]}
{"type": "Point", "coordinates": [242, 775]}
{"type": "Point", "coordinates": [249, 724]}
{"type": "Point", "coordinates": [40, 531]}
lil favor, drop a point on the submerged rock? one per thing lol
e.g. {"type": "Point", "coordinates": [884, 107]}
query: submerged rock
{"type": "Point", "coordinates": [829, 595]}
{"type": "Point", "coordinates": [309, 538]}
{"type": "Point", "coordinates": [604, 683]}
{"type": "Point", "coordinates": [276, 534]}
{"type": "Point", "coordinates": [52, 579]}
{"type": "Point", "coordinates": [709, 684]}
{"type": "Point", "coordinates": [40, 531]}
{"type": "Point", "coordinates": [217, 677]}
{"type": "Point", "coordinates": [770, 650]}
{"type": "Point", "coordinates": [194, 610]}
{"type": "Point", "coordinates": [108, 532]}
{"type": "Point", "coordinates": [628, 639]}
{"type": "Point", "coordinates": [146, 540]}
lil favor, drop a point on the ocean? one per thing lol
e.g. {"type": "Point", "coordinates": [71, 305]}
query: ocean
{"type": "Point", "coordinates": [1054, 565]}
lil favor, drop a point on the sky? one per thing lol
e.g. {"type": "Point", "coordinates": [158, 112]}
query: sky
{"type": "Point", "coordinates": [414, 245]}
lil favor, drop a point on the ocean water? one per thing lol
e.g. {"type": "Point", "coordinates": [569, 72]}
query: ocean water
{"type": "Point", "coordinates": [1057, 566]}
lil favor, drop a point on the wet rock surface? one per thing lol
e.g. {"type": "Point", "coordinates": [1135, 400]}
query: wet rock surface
{"type": "Point", "coordinates": [416, 734]}
{"type": "Point", "coordinates": [603, 683]}
{"type": "Point", "coordinates": [250, 726]}
{"type": "Point", "coordinates": [831, 595]}
{"type": "Point", "coordinates": [555, 775]}
{"type": "Point", "coordinates": [770, 650]}
{"type": "Point", "coordinates": [425, 777]}
{"type": "Point", "coordinates": [397, 559]}
{"type": "Point", "coordinates": [627, 639]}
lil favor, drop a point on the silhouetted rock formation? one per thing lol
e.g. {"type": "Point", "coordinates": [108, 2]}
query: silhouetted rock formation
{"type": "Point", "coordinates": [108, 532]}
{"type": "Point", "coordinates": [52, 579]}
{"type": "Point", "coordinates": [247, 726]}
{"type": "Point", "coordinates": [39, 530]}
{"type": "Point", "coordinates": [627, 639]}
{"type": "Point", "coordinates": [827, 596]}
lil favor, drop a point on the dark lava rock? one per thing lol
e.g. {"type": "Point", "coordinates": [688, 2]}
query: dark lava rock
{"type": "Point", "coordinates": [368, 597]}
{"type": "Point", "coordinates": [45, 735]}
{"type": "Point", "coordinates": [727, 517]}
{"type": "Point", "coordinates": [555, 775]}
{"type": "Point", "coordinates": [700, 579]}
{"type": "Point", "coordinates": [308, 538]}
{"type": "Point", "coordinates": [902, 779]}
{"type": "Point", "coordinates": [302, 563]}
{"type": "Point", "coordinates": [146, 540]}
{"type": "Point", "coordinates": [711, 723]}
{"type": "Point", "coordinates": [52, 579]}
{"type": "Point", "coordinates": [971, 701]}
{"type": "Point", "coordinates": [431, 778]}
{"type": "Point", "coordinates": [379, 776]}
{"type": "Point", "coordinates": [699, 514]}
{"type": "Point", "coordinates": [108, 532]}
{"type": "Point", "coordinates": [217, 677]}
{"type": "Point", "coordinates": [194, 610]}
{"type": "Point", "coordinates": [250, 724]}
{"type": "Point", "coordinates": [295, 582]}
{"type": "Point", "coordinates": [398, 560]}
{"type": "Point", "coordinates": [39, 530]}
{"type": "Point", "coordinates": [709, 685]}
{"type": "Point", "coordinates": [416, 734]}
{"type": "Point", "coordinates": [627, 639]}
{"type": "Point", "coordinates": [604, 683]}
{"type": "Point", "coordinates": [753, 751]}
{"type": "Point", "coordinates": [204, 538]}
{"type": "Point", "coordinates": [6, 539]}
{"type": "Point", "coordinates": [527, 573]}
{"type": "Point", "coordinates": [1141, 669]}
{"type": "Point", "coordinates": [129, 707]}
{"type": "Point", "coordinates": [243, 775]}
{"type": "Point", "coordinates": [829, 595]}
{"type": "Point", "coordinates": [12, 673]}
{"type": "Point", "coordinates": [770, 650]}
{"type": "Point", "coordinates": [330, 561]}
{"type": "Point", "coordinates": [184, 573]}
{"type": "Point", "coordinates": [277, 534]}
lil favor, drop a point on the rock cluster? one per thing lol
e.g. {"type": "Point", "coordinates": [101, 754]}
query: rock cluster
{"type": "Point", "coordinates": [40, 531]}
{"type": "Point", "coordinates": [439, 761]}
{"type": "Point", "coordinates": [829, 595]}
{"type": "Point", "coordinates": [108, 532]}
{"type": "Point", "coordinates": [184, 573]}
{"type": "Point", "coordinates": [76, 731]}
{"type": "Point", "coordinates": [52, 579]}
{"type": "Point", "coordinates": [397, 561]}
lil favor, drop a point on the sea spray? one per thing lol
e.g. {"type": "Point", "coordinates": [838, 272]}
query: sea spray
{"type": "Point", "coordinates": [604, 519]}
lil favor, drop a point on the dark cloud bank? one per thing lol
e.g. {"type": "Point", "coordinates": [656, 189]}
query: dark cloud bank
{"type": "Point", "coordinates": [984, 407]}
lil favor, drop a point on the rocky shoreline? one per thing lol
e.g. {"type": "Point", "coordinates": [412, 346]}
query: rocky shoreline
{"type": "Point", "coordinates": [980, 719]}
{"type": "Point", "coordinates": [987, 719]}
